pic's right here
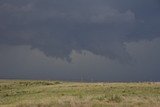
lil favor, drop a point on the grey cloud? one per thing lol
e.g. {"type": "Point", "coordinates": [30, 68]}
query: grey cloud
{"type": "Point", "coordinates": [24, 63]}
{"type": "Point", "coordinates": [59, 27]}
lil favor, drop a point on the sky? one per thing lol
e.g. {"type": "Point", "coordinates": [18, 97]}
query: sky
{"type": "Point", "coordinates": [75, 40]}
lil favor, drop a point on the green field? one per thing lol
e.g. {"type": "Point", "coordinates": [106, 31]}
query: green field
{"type": "Point", "coordinates": [25, 93]}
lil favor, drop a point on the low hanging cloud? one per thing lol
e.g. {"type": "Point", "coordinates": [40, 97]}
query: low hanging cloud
{"type": "Point", "coordinates": [59, 27]}
{"type": "Point", "coordinates": [20, 62]}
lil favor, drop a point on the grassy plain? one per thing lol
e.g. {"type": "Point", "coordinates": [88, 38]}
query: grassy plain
{"type": "Point", "coordinates": [28, 93]}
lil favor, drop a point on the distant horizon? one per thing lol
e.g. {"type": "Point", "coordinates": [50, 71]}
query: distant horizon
{"type": "Point", "coordinates": [84, 81]}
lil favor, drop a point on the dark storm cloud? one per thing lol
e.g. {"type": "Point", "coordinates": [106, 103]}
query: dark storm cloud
{"type": "Point", "coordinates": [56, 27]}
{"type": "Point", "coordinates": [20, 62]}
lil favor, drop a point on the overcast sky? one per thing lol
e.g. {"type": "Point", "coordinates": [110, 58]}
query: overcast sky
{"type": "Point", "coordinates": [97, 40]}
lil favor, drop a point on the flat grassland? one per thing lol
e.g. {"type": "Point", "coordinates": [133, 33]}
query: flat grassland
{"type": "Point", "coordinates": [28, 93]}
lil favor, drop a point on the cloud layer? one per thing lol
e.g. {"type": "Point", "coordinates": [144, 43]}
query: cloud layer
{"type": "Point", "coordinates": [58, 27]}
{"type": "Point", "coordinates": [107, 29]}
{"type": "Point", "coordinates": [22, 62]}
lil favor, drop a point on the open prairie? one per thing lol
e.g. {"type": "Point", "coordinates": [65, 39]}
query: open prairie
{"type": "Point", "coordinates": [29, 93]}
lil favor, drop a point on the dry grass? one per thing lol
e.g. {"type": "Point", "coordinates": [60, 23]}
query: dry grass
{"type": "Point", "coordinates": [73, 94]}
